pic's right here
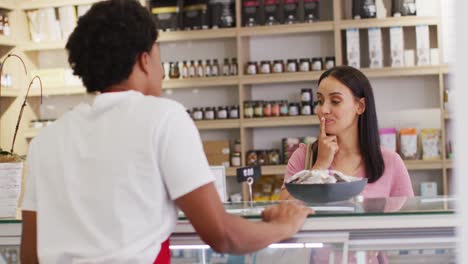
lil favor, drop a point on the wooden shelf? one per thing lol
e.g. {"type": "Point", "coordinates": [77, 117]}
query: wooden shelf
{"type": "Point", "coordinates": [7, 41]}
{"type": "Point", "coordinates": [286, 29]}
{"type": "Point", "coordinates": [281, 121]}
{"type": "Point", "coordinates": [449, 164]}
{"type": "Point", "coordinates": [207, 34]}
{"type": "Point", "coordinates": [401, 71]}
{"type": "Point", "coordinates": [407, 21]}
{"type": "Point", "coordinates": [280, 77]}
{"type": "Point", "coordinates": [10, 92]}
{"type": "Point", "coordinates": [218, 124]}
{"type": "Point", "coordinates": [40, 46]}
{"type": "Point", "coordinates": [36, 4]}
{"type": "Point", "coordinates": [31, 133]}
{"type": "Point", "coordinates": [200, 82]}
{"type": "Point", "coordinates": [7, 4]}
{"type": "Point", "coordinates": [66, 90]}
{"type": "Point", "coordinates": [448, 115]}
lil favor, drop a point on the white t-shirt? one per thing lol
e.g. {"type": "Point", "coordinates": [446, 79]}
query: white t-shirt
{"type": "Point", "coordinates": [104, 177]}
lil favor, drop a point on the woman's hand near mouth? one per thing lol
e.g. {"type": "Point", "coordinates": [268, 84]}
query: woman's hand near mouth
{"type": "Point", "coordinates": [327, 147]}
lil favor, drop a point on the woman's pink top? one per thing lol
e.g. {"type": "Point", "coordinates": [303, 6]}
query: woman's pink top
{"type": "Point", "coordinates": [395, 181]}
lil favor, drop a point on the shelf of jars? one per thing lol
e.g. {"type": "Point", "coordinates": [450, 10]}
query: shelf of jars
{"type": "Point", "coordinates": [287, 29]}
{"type": "Point", "coordinates": [197, 35]}
{"type": "Point", "coordinates": [218, 124]}
{"type": "Point", "coordinates": [200, 82]}
{"type": "Point", "coordinates": [7, 41]}
{"type": "Point", "coordinates": [280, 121]}
{"type": "Point", "coordinates": [401, 71]}
{"type": "Point", "coordinates": [36, 4]}
{"type": "Point", "coordinates": [280, 77]}
{"type": "Point", "coordinates": [405, 21]}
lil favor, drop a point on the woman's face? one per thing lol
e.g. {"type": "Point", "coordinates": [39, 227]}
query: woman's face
{"type": "Point", "coordinates": [339, 107]}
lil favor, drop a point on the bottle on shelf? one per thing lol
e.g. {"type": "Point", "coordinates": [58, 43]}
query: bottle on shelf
{"type": "Point", "coordinates": [233, 67]}
{"type": "Point", "coordinates": [226, 67]}
{"type": "Point", "coordinates": [192, 69]}
{"type": "Point", "coordinates": [215, 68]}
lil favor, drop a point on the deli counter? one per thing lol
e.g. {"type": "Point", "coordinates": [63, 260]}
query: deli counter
{"type": "Point", "coordinates": [378, 230]}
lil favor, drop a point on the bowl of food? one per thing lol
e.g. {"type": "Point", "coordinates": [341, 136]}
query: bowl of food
{"type": "Point", "coordinates": [324, 186]}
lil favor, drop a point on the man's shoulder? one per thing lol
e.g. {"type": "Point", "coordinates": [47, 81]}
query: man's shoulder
{"type": "Point", "coordinates": [159, 104]}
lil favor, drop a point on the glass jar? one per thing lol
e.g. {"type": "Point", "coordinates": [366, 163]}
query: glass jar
{"type": "Point", "coordinates": [185, 72]}
{"type": "Point", "coordinates": [226, 67]}
{"type": "Point", "coordinates": [304, 65]}
{"type": "Point", "coordinates": [265, 67]}
{"type": "Point", "coordinates": [192, 69]}
{"type": "Point", "coordinates": [317, 64]}
{"type": "Point", "coordinates": [258, 109]}
{"type": "Point", "coordinates": [200, 70]}
{"type": "Point", "coordinates": [262, 157]}
{"type": "Point", "coordinates": [306, 95]}
{"type": "Point", "coordinates": [174, 72]}
{"type": "Point", "coordinates": [306, 109]}
{"type": "Point", "coordinates": [271, 12]}
{"type": "Point", "coordinates": [273, 157]}
{"type": "Point", "coordinates": [215, 68]}
{"type": "Point", "coordinates": [209, 113]}
{"type": "Point", "coordinates": [248, 109]}
{"type": "Point", "coordinates": [284, 108]}
{"type": "Point", "coordinates": [236, 159]}
{"type": "Point", "coordinates": [251, 68]}
{"type": "Point", "coordinates": [329, 62]}
{"type": "Point", "coordinates": [291, 65]}
{"type": "Point", "coordinates": [275, 108]}
{"type": "Point", "coordinates": [208, 68]}
{"type": "Point", "coordinates": [252, 158]}
{"type": "Point", "coordinates": [197, 114]}
{"type": "Point", "coordinates": [234, 112]}
{"type": "Point", "coordinates": [291, 11]}
{"type": "Point", "coordinates": [267, 109]}
{"type": "Point", "coordinates": [278, 66]}
{"type": "Point", "coordinates": [250, 13]}
{"type": "Point", "coordinates": [237, 145]}
{"type": "Point", "coordinates": [222, 112]}
{"type": "Point", "coordinates": [233, 67]}
{"type": "Point", "coordinates": [293, 109]}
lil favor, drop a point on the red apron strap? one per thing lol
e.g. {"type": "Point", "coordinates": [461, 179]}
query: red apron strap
{"type": "Point", "coordinates": [164, 256]}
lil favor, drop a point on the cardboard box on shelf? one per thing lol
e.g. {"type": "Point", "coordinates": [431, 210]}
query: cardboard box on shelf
{"type": "Point", "coordinates": [375, 48]}
{"type": "Point", "coordinates": [218, 159]}
{"type": "Point", "coordinates": [353, 50]}
{"type": "Point", "coordinates": [396, 46]}
{"type": "Point", "coordinates": [219, 147]}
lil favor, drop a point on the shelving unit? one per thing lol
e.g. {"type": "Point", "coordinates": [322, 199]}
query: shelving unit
{"type": "Point", "coordinates": [7, 41]}
{"type": "Point", "coordinates": [47, 91]}
{"type": "Point", "coordinates": [244, 83]}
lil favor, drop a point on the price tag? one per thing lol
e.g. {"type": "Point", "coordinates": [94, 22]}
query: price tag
{"type": "Point", "coordinates": [244, 173]}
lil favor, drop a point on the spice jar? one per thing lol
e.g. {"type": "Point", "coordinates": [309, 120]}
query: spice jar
{"type": "Point", "coordinates": [209, 113]}
{"type": "Point", "coordinates": [174, 70]}
{"type": "Point", "coordinates": [329, 62]}
{"type": "Point", "coordinates": [291, 65]}
{"type": "Point", "coordinates": [262, 157]}
{"type": "Point", "coordinates": [248, 109]}
{"type": "Point", "coordinates": [293, 109]}
{"type": "Point", "coordinates": [251, 68]}
{"type": "Point", "coordinates": [237, 145]}
{"type": "Point", "coordinates": [306, 109]}
{"type": "Point", "coordinates": [306, 95]}
{"type": "Point", "coordinates": [215, 68]}
{"type": "Point", "coordinates": [197, 114]}
{"type": "Point", "coordinates": [233, 67]}
{"type": "Point", "coordinates": [284, 108]}
{"type": "Point", "coordinates": [278, 66]}
{"type": "Point", "coordinates": [275, 108]}
{"type": "Point", "coordinates": [200, 70]}
{"type": "Point", "coordinates": [208, 68]}
{"type": "Point", "coordinates": [271, 15]}
{"type": "Point", "coordinates": [291, 11]}
{"type": "Point", "coordinates": [267, 109]}
{"type": "Point", "coordinates": [185, 70]}
{"type": "Point", "coordinates": [273, 157]}
{"type": "Point", "coordinates": [317, 64]}
{"type": "Point", "coordinates": [221, 113]}
{"type": "Point", "coordinates": [236, 159]}
{"type": "Point", "coordinates": [252, 158]}
{"type": "Point", "coordinates": [234, 112]}
{"type": "Point", "coordinates": [258, 109]}
{"type": "Point", "coordinates": [226, 66]}
{"type": "Point", "coordinates": [250, 13]}
{"type": "Point", "coordinates": [304, 65]}
{"type": "Point", "coordinates": [265, 67]}
{"type": "Point", "coordinates": [192, 69]}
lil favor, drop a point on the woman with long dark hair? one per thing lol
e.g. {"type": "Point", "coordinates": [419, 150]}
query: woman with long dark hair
{"type": "Point", "coordinates": [349, 137]}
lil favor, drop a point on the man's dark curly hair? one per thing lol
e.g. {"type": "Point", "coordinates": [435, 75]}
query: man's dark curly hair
{"type": "Point", "coordinates": [108, 39]}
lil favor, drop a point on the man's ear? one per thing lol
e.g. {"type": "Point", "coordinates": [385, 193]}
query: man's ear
{"type": "Point", "coordinates": [143, 62]}
{"type": "Point", "coordinates": [361, 107]}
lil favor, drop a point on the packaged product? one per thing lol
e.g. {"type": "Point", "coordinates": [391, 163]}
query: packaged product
{"type": "Point", "coordinates": [409, 143]}
{"type": "Point", "coordinates": [430, 142]}
{"type": "Point", "coordinates": [388, 138]}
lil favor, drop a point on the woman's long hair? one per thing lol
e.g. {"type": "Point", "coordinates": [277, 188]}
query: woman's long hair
{"type": "Point", "coordinates": [369, 140]}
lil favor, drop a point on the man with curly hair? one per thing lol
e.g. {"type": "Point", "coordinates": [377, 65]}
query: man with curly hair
{"type": "Point", "coordinates": [105, 180]}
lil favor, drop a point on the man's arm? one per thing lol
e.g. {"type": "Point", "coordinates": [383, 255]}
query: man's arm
{"type": "Point", "coordinates": [29, 238]}
{"type": "Point", "coordinates": [233, 234]}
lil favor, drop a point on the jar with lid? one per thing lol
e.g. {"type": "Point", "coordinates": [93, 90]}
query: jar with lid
{"type": "Point", "coordinates": [306, 95]}
{"type": "Point", "coordinates": [221, 113]}
{"type": "Point", "coordinates": [209, 113]}
{"type": "Point", "coordinates": [258, 109]}
{"type": "Point", "coordinates": [311, 10]}
{"type": "Point", "coordinates": [265, 67]}
{"type": "Point", "coordinates": [252, 158]}
{"type": "Point", "coordinates": [234, 112]}
{"type": "Point", "coordinates": [233, 67]}
{"type": "Point", "coordinates": [174, 71]}
{"type": "Point", "coordinates": [226, 67]}
{"type": "Point", "coordinates": [304, 65]}
{"type": "Point", "coordinates": [192, 69]}
{"type": "Point", "coordinates": [291, 11]}
{"type": "Point", "coordinates": [248, 109]}
{"type": "Point", "coordinates": [291, 65]}
{"type": "Point", "coordinates": [317, 64]}
{"type": "Point", "coordinates": [237, 145]}
{"type": "Point", "coordinates": [293, 109]}
{"type": "Point", "coordinates": [262, 157]}
{"type": "Point", "coordinates": [197, 114]}
{"type": "Point", "coordinates": [284, 108]}
{"type": "Point", "coordinates": [329, 62]}
{"type": "Point", "coordinates": [185, 70]}
{"type": "Point", "coordinates": [251, 68]}
{"type": "Point", "coordinates": [200, 70]}
{"type": "Point", "coordinates": [271, 8]}
{"type": "Point", "coordinates": [273, 157]}
{"type": "Point", "coordinates": [250, 13]}
{"type": "Point", "coordinates": [208, 68]}
{"type": "Point", "coordinates": [215, 68]}
{"type": "Point", "coordinates": [278, 66]}
{"type": "Point", "coordinates": [275, 108]}
{"type": "Point", "coordinates": [236, 159]}
{"type": "Point", "coordinates": [306, 109]}
{"type": "Point", "coordinates": [267, 109]}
